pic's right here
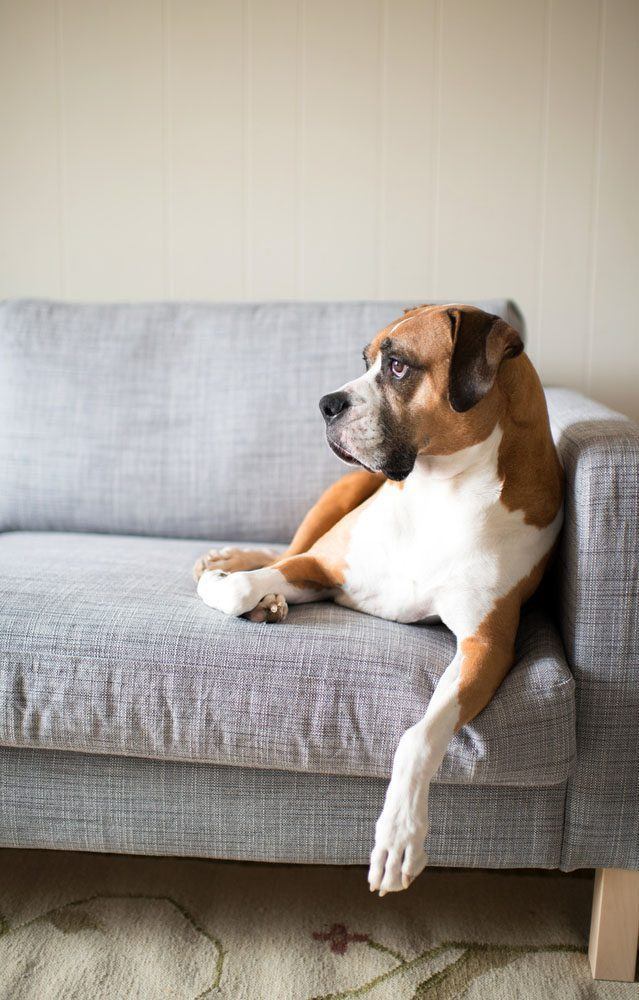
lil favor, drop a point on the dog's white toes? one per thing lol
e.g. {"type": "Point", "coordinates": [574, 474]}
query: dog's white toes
{"type": "Point", "coordinates": [392, 881]}
{"type": "Point", "coordinates": [376, 869]}
{"type": "Point", "coordinates": [272, 608]}
{"type": "Point", "coordinates": [415, 859]}
{"type": "Point", "coordinates": [398, 856]}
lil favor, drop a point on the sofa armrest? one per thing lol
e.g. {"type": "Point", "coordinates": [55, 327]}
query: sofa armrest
{"type": "Point", "coordinates": [597, 577]}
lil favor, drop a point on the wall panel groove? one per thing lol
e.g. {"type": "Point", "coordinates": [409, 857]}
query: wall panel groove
{"type": "Point", "coordinates": [534, 347]}
{"type": "Point", "coordinates": [300, 148]}
{"type": "Point", "coordinates": [382, 141]}
{"type": "Point", "coordinates": [596, 189]}
{"type": "Point", "coordinates": [436, 118]}
{"type": "Point", "coordinates": [60, 151]}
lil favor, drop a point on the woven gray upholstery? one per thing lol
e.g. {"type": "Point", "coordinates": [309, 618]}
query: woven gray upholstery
{"type": "Point", "coordinates": [92, 803]}
{"type": "Point", "coordinates": [108, 649]}
{"type": "Point", "coordinates": [598, 589]}
{"type": "Point", "coordinates": [188, 421]}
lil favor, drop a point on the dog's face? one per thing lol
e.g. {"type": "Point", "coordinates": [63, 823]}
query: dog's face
{"type": "Point", "coordinates": [430, 388]}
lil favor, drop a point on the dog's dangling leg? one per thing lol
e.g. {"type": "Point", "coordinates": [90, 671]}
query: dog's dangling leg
{"type": "Point", "coordinates": [464, 689]}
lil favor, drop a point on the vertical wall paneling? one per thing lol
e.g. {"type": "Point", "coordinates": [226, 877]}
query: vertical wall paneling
{"type": "Point", "coordinates": [408, 72]}
{"type": "Point", "coordinates": [564, 299]}
{"type": "Point", "coordinates": [30, 224]}
{"type": "Point", "coordinates": [614, 335]}
{"type": "Point", "coordinates": [273, 140]}
{"type": "Point", "coordinates": [341, 154]}
{"type": "Point", "coordinates": [300, 149]}
{"type": "Point", "coordinates": [490, 146]}
{"type": "Point", "coordinates": [206, 102]}
{"type": "Point", "coordinates": [113, 148]}
{"type": "Point", "coordinates": [167, 151]}
{"type": "Point", "coordinates": [265, 149]}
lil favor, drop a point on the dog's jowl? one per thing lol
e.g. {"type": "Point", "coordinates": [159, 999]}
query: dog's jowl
{"type": "Point", "coordinates": [452, 513]}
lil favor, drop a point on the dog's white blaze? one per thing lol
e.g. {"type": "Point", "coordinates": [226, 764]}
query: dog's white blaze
{"type": "Point", "coordinates": [363, 389]}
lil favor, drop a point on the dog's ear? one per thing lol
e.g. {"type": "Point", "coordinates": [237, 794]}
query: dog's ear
{"type": "Point", "coordinates": [481, 342]}
{"type": "Point", "coordinates": [414, 309]}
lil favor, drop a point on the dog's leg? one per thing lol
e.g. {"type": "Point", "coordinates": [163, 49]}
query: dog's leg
{"type": "Point", "coordinates": [482, 661]}
{"type": "Point", "coordinates": [339, 499]}
{"type": "Point", "coordinates": [262, 594]}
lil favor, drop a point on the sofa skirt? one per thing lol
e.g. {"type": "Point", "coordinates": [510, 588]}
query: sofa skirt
{"type": "Point", "coordinates": [87, 802]}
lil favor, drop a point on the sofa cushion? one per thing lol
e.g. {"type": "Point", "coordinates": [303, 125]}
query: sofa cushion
{"type": "Point", "coordinates": [53, 799]}
{"type": "Point", "coordinates": [107, 649]}
{"type": "Point", "coordinates": [189, 421]}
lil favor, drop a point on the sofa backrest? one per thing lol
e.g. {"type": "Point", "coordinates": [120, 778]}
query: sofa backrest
{"type": "Point", "coordinates": [184, 420]}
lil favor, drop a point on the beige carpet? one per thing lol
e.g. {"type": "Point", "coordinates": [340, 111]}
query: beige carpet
{"type": "Point", "coordinates": [86, 927]}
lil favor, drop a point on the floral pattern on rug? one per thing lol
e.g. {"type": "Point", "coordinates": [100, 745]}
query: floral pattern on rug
{"type": "Point", "coordinates": [474, 960]}
{"type": "Point", "coordinates": [109, 927]}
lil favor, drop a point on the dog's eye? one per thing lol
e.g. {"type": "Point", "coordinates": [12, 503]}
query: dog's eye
{"type": "Point", "coordinates": [398, 369]}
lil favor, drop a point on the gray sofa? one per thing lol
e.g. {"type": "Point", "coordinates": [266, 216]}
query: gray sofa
{"type": "Point", "coordinates": [135, 719]}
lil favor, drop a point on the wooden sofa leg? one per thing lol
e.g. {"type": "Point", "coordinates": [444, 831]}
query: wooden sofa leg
{"type": "Point", "coordinates": [614, 927]}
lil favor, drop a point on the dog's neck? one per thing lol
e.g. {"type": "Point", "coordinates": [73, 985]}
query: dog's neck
{"type": "Point", "coordinates": [469, 464]}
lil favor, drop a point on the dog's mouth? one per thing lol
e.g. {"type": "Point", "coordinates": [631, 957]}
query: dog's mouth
{"type": "Point", "coordinates": [343, 454]}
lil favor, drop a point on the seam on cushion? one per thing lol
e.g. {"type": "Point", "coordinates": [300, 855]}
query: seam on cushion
{"type": "Point", "coordinates": [554, 783]}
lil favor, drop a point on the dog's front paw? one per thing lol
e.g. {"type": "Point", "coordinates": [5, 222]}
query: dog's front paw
{"type": "Point", "coordinates": [399, 854]}
{"type": "Point", "coordinates": [230, 593]}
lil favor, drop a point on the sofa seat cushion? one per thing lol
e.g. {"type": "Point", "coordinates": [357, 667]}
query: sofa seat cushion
{"type": "Point", "coordinates": [107, 649]}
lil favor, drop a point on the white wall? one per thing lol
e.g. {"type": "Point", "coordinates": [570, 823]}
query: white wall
{"type": "Point", "coordinates": [261, 149]}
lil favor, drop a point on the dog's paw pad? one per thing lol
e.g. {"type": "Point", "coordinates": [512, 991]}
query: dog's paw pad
{"type": "Point", "coordinates": [272, 608]}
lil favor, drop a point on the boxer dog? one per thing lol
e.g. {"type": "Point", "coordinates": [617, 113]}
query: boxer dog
{"type": "Point", "coordinates": [453, 515]}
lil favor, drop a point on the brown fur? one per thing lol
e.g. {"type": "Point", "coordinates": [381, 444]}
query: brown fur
{"type": "Point", "coordinates": [307, 570]}
{"type": "Point", "coordinates": [528, 462]}
{"type": "Point", "coordinates": [488, 655]}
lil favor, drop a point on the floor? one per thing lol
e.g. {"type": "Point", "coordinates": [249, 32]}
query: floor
{"type": "Point", "coordinates": [88, 926]}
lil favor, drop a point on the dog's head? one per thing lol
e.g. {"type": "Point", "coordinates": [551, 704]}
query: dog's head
{"type": "Point", "coordinates": [430, 387]}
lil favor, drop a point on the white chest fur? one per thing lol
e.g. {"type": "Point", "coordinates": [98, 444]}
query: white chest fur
{"type": "Point", "coordinates": [443, 545]}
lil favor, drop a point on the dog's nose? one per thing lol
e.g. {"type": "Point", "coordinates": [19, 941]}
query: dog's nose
{"type": "Point", "coordinates": [333, 404]}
